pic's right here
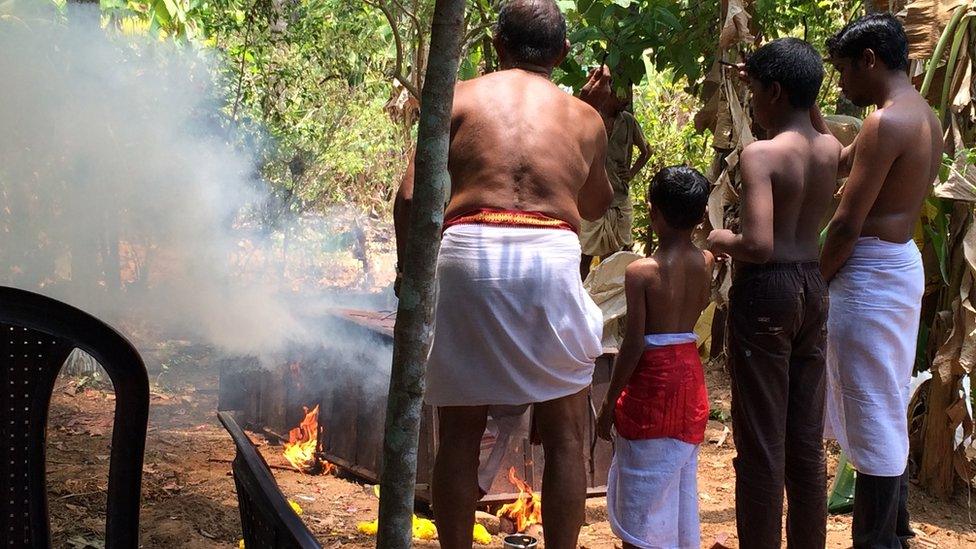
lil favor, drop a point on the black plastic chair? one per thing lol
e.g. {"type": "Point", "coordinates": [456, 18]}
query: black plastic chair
{"type": "Point", "coordinates": [37, 334]}
{"type": "Point", "coordinates": [267, 520]}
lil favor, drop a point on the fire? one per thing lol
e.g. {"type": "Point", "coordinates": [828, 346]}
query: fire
{"type": "Point", "coordinates": [302, 445]}
{"type": "Point", "coordinates": [527, 509]}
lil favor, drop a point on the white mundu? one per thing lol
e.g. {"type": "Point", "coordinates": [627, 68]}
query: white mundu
{"type": "Point", "coordinates": [513, 324]}
{"type": "Point", "coordinates": [872, 330]}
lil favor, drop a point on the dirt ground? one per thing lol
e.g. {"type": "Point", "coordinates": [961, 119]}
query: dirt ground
{"type": "Point", "coordinates": [188, 493]}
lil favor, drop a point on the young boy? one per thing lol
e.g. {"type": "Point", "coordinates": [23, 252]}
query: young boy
{"type": "Point", "coordinates": [778, 304]}
{"type": "Point", "coordinates": [657, 402]}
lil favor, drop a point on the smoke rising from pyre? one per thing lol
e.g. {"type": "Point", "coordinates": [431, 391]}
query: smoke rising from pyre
{"type": "Point", "coordinates": [124, 194]}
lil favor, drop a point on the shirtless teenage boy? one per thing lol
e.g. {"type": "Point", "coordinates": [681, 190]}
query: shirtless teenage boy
{"type": "Point", "coordinates": [778, 304]}
{"type": "Point", "coordinates": [513, 325]}
{"type": "Point", "coordinates": [875, 271]}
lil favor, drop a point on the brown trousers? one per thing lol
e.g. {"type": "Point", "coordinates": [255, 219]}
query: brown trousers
{"type": "Point", "coordinates": [777, 338]}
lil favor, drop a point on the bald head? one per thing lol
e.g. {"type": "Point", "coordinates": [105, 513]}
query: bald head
{"type": "Point", "coordinates": [531, 31]}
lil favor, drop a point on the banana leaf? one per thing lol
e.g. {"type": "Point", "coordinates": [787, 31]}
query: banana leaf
{"type": "Point", "coordinates": [841, 498]}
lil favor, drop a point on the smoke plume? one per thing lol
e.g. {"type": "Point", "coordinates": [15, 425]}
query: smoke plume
{"type": "Point", "coordinates": [123, 192]}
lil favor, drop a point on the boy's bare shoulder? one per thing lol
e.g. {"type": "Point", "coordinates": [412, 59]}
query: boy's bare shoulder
{"type": "Point", "coordinates": [762, 152]}
{"type": "Point", "coordinates": [642, 271]}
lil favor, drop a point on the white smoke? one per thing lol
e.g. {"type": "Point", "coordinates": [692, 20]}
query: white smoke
{"type": "Point", "coordinates": [107, 139]}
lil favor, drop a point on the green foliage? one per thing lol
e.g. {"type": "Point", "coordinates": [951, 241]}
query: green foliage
{"type": "Point", "coordinates": [311, 74]}
{"type": "Point", "coordinates": [664, 110]}
{"type": "Point", "coordinates": [674, 35]}
{"type": "Point", "coordinates": [812, 21]}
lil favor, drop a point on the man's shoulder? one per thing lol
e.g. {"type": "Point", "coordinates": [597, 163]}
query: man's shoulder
{"type": "Point", "coordinates": [585, 111]}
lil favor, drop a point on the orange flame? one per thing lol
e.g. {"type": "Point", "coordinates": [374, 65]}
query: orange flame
{"type": "Point", "coordinates": [527, 508]}
{"type": "Point", "coordinates": [303, 441]}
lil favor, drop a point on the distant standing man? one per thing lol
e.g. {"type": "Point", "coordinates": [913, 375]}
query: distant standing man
{"type": "Point", "coordinates": [875, 272]}
{"type": "Point", "coordinates": [513, 325]}
{"type": "Point", "coordinates": [613, 232]}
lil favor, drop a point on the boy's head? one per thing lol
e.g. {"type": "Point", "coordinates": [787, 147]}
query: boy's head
{"type": "Point", "coordinates": [864, 51]}
{"type": "Point", "coordinates": [678, 196]}
{"type": "Point", "coordinates": [532, 32]}
{"type": "Point", "coordinates": [784, 74]}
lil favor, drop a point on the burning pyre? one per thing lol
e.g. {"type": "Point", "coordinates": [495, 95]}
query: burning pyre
{"type": "Point", "coordinates": [301, 450]}
{"type": "Point", "coordinates": [527, 508]}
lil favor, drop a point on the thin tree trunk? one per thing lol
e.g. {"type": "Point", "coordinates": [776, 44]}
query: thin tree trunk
{"type": "Point", "coordinates": [413, 326]}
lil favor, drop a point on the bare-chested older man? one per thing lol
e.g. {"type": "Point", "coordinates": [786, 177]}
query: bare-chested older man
{"type": "Point", "coordinates": [875, 272]}
{"type": "Point", "coordinates": [513, 325]}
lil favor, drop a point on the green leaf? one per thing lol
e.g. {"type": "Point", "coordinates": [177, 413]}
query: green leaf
{"type": "Point", "coordinates": [585, 35]}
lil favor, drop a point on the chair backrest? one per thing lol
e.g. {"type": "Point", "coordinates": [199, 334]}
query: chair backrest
{"type": "Point", "coordinates": [37, 334]}
{"type": "Point", "coordinates": [267, 520]}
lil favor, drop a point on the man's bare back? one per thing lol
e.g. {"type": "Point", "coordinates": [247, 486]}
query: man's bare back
{"type": "Point", "coordinates": [518, 142]}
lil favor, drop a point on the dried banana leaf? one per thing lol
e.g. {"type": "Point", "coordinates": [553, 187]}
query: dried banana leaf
{"type": "Point", "coordinates": [735, 28]}
{"type": "Point", "coordinates": [924, 21]}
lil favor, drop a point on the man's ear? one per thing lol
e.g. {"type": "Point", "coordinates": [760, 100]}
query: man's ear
{"type": "Point", "coordinates": [563, 55]}
{"type": "Point", "coordinates": [499, 48]}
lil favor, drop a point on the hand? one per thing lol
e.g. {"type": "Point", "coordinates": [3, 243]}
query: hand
{"type": "Point", "coordinates": [597, 91]}
{"type": "Point", "coordinates": [740, 70]}
{"type": "Point", "coordinates": [604, 423]}
{"type": "Point", "coordinates": [718, 241]}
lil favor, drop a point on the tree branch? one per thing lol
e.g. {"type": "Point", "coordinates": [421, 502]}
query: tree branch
{"type": "Point", "coordinates": [413, 17]}
{"type": "Point", "coordinates": [398, 71]}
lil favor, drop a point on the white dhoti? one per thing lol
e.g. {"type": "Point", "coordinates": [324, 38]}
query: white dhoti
{"type": "Point", "coordinates": [652, 493]}
{"type": "Point", "coordinates": [513, 324]}
{"type": "Point", "coordinates": [872, 332]}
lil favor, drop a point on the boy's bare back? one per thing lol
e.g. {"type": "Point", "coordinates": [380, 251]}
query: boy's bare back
{"type": "Point", "coordinates": [799, 167]}
{"type": "Point", "coordinates": [518, 142]}
{"type": "Point", "coordinates": [677, 287]}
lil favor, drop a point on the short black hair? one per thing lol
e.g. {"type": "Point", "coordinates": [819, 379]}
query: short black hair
{"type": "Point", "coordinates": [681, 194]}
{"type": "Point", "coordinates": [882, 32]}
{"type": "Point", "coordinates": [532, 31]}
{"type": "Point", "coordinates": [792, 62]}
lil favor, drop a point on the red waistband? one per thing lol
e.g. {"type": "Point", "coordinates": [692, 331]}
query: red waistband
{"type": "Point", "coordinates": [508, 218]}
{"type": "Point", "coordinates": [665, 396]}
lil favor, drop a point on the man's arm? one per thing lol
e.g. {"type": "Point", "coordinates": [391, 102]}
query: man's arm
{"type": "Point", "coordinates": [596, 92]}
{"type": "Point", "coordinates": [875, 154]}
{"type": "Point", "coordinates": [596, 193]}
{"type": "Point", "coordinates": [644, 152]}
{"type": "Point", "coordinates": [755, 243]}
{"type": "Point", "coordinates": [401, 212]}
{"type": "Point", "coordinates": [630, 349]}
{"type": "Point", "coordinates": [846, 154]}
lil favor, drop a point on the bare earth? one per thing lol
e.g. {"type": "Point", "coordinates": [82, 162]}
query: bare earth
{"type": "Point", "coordinates": [189, 498]}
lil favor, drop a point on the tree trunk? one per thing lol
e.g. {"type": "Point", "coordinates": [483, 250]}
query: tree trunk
{"type": "Point", "coordinates": [936, 473]}
{"type": "Point", "coordinates": [413, 325]}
